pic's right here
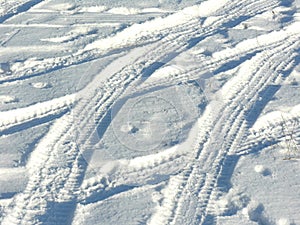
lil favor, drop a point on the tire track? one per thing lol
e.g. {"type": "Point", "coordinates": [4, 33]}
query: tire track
{"type": "Point", "coordinates": [251, 46]}
{"type": "Point", "coordinates": [176, 78]}
{"type": "Point", "coordinates": [210, 159]}
{"type": "Point", "coordinates": [52, 64]}
{"type": "Point", "coordinates": [21, 8]}
{"type": "Point", "coordinates": [47, 182]}
{"type": "Point", "coordinates": [133, 70]}
{"type": "Point", "coordinates": [9, 122]}
{"type": "Point", "coordinates": [240, 123]}
{"type": "Point", "coordinates": [58, 184]}
{"type": "Point", "coordinates": [159, 162]}
{"type": "Point", "coordinates": [146, 60]}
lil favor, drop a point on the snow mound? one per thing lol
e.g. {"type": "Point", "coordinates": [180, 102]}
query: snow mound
{"type": "Point", "coordinates": [140, 30]}
{"type": "Point", "coordinates": [62, 6]}
{"type": "Point", "coordinates": [5, 99]}
{"type": "Point", "coordinates": [276, 117]}
{"type": "Point", "coordinates": [256, 213]}
{"type": "Point", "coordinates": [283, 221]}
{"type": "Point", "coordinates": [134, 11]}
{"type": "Point", "coordinates": [93, 9]}
{"type": "Point", "coordinates": [262, 170]}
{"type": "Point", "coordinates": [124, 11]}
{"type": "Point", "coordinates": [40, 85]}
{"type": "Point", "coordinates": [72, 35]}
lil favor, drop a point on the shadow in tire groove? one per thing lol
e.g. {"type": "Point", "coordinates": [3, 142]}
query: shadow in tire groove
{"type": "Point", "coordinates": [59, 213]}
{"type": "Point", "coordinates": [224, 183]}
{"type": "Point", "coordinates": [264, 97]}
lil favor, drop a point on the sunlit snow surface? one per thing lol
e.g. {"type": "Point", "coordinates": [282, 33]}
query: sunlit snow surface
{"type": "Point", "coordinates": [150, 112]}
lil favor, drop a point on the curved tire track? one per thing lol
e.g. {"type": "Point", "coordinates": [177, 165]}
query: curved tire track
{"type": "Point", "coordinates": [161, 162]}
{"type": "Point", "coordinates": [189, 208]}
{"type": "Point", "coordinates": [59, 184]}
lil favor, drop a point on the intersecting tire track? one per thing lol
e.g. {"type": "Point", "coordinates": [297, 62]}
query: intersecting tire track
{"type": "Point", "coordinates": [38, 185]}
{"type": "Point", "coordinates": [65, 187]}
{"type": "Point", "coordinates": [161, 163]}
{"type": "Point", "coordinates": [155, 165]}
{"type": "Point", "coordinates": [203, 188]}
{"type": "Point", "coordinates": [81, 57]}
{"type": "Point", "coordinates": [191, 29]}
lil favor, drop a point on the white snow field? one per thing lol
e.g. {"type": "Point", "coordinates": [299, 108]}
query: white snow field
{"type": "Point", "coordinates": [150, 112]}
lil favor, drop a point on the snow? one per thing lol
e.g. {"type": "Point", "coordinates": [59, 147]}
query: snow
{"type": "Point", "coordinates": [149, 112]}
{"type": "Point", "coordinates": [4, 99]}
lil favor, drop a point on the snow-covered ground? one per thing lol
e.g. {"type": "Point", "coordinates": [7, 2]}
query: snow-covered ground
{"type": "Point", "coordinates": [151, 112]}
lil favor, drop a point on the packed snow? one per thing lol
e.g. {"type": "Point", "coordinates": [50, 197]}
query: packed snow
{"type": "Point", "coordinates": [150, 112]}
